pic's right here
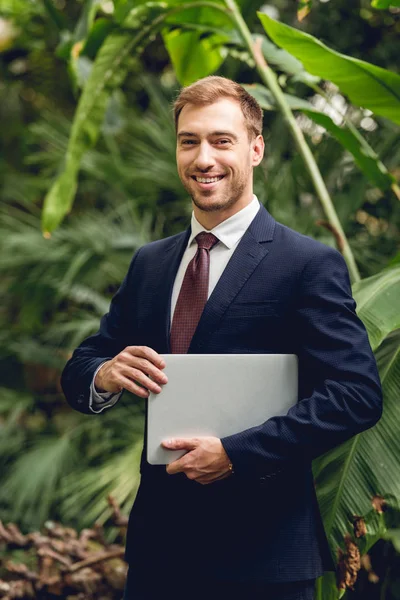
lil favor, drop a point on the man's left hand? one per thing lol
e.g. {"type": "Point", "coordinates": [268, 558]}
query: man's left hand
{"type": "Point", "coordinates": [206, 460]}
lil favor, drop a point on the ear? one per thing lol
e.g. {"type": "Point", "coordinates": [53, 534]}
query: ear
{"type": "Point", "coordinates": [257, 150]}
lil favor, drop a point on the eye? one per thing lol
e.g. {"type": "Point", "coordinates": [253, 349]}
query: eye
{"type": "Point", "coordinates": [223, 142]}
{"type": "Point", "coordinates": [188, 142]}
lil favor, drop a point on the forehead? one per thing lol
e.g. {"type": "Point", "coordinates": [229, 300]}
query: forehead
{"type": "Point", "coordinates": [223, 115]}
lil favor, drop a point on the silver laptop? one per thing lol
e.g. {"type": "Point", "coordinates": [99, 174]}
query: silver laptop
{"type": "Point", "coordinates": [217, 395]}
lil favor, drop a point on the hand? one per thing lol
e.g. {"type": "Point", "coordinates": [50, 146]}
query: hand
{"type": "Point", "coordinates": [205, 462]}
{"type": "Point", "coordinates": [131, 369]}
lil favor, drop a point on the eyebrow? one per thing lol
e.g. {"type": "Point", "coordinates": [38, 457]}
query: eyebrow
{"type": "Point", "coordinates": [230, 134]}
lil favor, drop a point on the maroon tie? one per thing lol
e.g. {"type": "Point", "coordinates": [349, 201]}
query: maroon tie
{"type": "Point", "coordinates": [193, 295]}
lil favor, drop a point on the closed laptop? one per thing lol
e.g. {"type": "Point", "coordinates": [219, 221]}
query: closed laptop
{"type": "Point", "coordinates": [218, 395]}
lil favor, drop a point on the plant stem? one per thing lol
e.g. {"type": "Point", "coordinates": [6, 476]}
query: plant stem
{"type": "Point", "coordinates": [270, 80]}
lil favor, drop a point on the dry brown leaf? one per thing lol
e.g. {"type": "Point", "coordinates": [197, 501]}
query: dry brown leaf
{"type": "Point", "coordinates": [349, 563]}
{"type": "Point", "coordinates": [360, 527]}
{"type": "Point", "coordinates": [304, 9]}
{"type": "Point", "coordinates": [379, 504]}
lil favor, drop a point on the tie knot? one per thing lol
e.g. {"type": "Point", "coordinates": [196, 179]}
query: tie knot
{"type": "Point", "coordinates": [206, 240]}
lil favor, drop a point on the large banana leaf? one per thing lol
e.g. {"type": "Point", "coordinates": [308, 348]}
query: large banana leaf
{"type": "Point", "coordinates": [108, 72]}
{"type": "Point", "coordinates": [366, 85]}
{"type": "Point", "coordinates": [353, 478]}
{"type": "Point", "coordinates": [183, 46]}
{"type": "Point", "coordinates": [363, 154]}
{"type": "Point", "coordinates": [378, 304]}
{"type": "Point", "coordinates": [195, 54]}
{"type": "Point", "coordinates": [348, 136]}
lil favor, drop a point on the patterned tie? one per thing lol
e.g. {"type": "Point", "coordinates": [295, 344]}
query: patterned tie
{"type": "Point", "coordinates": [193, 295]}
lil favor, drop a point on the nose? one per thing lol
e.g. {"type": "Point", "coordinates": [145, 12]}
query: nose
{"type": "Point", "coordinates": [204, 159]}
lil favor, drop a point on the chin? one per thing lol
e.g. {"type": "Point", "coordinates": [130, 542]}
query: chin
{"type": "Point", "coordinates": [208, 204]}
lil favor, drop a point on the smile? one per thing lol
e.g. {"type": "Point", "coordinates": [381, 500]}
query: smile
{"type": "Point", "coordinates": [208, 179]}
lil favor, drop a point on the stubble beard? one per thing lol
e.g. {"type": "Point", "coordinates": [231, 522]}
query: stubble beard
{"type": "Point", "coordinates": [226, 202]}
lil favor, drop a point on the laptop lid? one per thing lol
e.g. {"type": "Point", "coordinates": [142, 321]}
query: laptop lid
{"type": "Point", "coordinates": [218, 395]}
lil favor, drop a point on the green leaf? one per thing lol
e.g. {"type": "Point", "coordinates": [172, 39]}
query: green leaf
{"type": "Point", "coordinates": [117, 475]}
{"type": "Point", "coordinates": [377, 304]}
{"type": "Point", "coordinates": [385, 3]}
{"type": "Point", "coordinates": [325, 587]}
{"type": "Point", "coordinates": [198, 53]}
{"type": "Point", "coordinates": [86, 20]}
{"type": "Point", "coordinates": [350, 477]}
{"type": "Point", "coordinates": [395, 260]}
{"type": "Point", "coordinates": [363, 154]}
{"type": "Point", "coordinates": [108, 72]}
{"type": "Point", "coordinates": [33, 481]}
{"type": "Point", "coordinates": [194, 56]}
{"type": "Point", "coordinates": [56, 15]}
{"type": "Point", "coordinates": [98, 33]}
{"type": "Point", "coordinates": [394, 536]}
{"type": "Point", "coordinates": [79, 70]}
{"type": "Point", "coordinates": [366, 85]}
{"type": "Point", "coordinates": [279, 57]}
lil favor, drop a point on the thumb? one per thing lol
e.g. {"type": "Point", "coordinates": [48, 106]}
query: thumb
{"type": "Point", "coordinates": [180, 444]}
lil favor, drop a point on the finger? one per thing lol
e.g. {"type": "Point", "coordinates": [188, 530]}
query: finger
{"type": "Point", "coordinates": [148, 353]}
{"type": "Point", "coordinates": [178, 466]}
{"type": "Point", "coordinates": [149, 369]}
{"type": "Point", "coordinates": [180, 443]}
{"type": "Point", "coordinates": [141, 378]}
{"type": "Point", "coordinates": [132, 387]}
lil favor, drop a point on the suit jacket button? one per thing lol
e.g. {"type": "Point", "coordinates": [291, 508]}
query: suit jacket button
{"type": "Point", "coordinates": [81, 398]}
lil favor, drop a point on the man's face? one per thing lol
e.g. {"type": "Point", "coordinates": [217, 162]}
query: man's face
{"type": "Point", "coordinates": [215, 157]}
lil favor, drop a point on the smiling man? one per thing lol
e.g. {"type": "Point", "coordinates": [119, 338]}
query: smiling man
{"type": "Point", "coordinates": [235, 517]}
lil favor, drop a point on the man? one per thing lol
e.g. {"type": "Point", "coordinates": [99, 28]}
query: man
{"type": "Point", "coordinates": [235, 517]}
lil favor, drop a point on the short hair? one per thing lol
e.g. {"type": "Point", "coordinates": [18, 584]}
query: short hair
{"type": "Point", "coordinates": [211, 89]}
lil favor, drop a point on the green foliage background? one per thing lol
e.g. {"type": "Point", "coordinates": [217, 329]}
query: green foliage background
{"type": "Point", "coordinates": [61, 465]}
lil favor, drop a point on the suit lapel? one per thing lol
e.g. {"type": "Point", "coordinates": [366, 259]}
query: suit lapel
{"type": "Point", "coordinates": [249, 253]}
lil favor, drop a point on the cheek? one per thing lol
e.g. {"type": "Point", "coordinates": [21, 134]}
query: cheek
{"type": "Point", "coordinates": [182, 162]}
{"type": "Point", "coordinates": [180, 167]}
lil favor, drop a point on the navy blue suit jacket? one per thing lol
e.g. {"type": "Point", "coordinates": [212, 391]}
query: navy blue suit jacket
{"type": "Point", "coordinates": [281, 292]}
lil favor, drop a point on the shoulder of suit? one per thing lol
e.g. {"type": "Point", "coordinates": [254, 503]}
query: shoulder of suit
{"type": "Point", "coordinates": [163, 244]}
{"type": "Point", "coordinates": [298, 242]}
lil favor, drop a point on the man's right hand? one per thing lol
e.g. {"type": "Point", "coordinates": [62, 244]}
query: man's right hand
{"type": "Point", "coordinates": [136, 369]}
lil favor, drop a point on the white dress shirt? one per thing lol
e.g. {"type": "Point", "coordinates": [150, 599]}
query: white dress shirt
{"type": "Point", "coordinates": [229, 234]}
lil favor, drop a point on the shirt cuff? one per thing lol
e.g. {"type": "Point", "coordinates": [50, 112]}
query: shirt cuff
{"type": "Point", "coordinates": [98, 401]}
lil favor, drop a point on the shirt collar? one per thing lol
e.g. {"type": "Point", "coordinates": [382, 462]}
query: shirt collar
{"type": "Point", "coordinates": [230, 231]}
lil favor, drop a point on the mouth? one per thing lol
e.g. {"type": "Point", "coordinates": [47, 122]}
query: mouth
{"type": "Point", "coordinates": [207, 182]}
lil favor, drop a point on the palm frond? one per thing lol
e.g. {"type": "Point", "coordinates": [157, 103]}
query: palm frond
{"type": "Point", "coordinates": [32, 483]}
{"type": "Point", "coordinates": [89, 489]}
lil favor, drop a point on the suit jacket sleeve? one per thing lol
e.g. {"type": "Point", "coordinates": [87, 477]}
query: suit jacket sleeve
{"type": "Point", "coordinates": [111, 339]}
{"type": "Point", "coordinates": [339, 388]}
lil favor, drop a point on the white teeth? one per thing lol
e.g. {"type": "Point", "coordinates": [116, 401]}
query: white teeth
{"type": "Point", "coordinates": [208, 179]}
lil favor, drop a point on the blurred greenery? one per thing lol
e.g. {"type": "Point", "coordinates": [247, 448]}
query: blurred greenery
{"type": "Point", "coordinates": [58, 464]}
